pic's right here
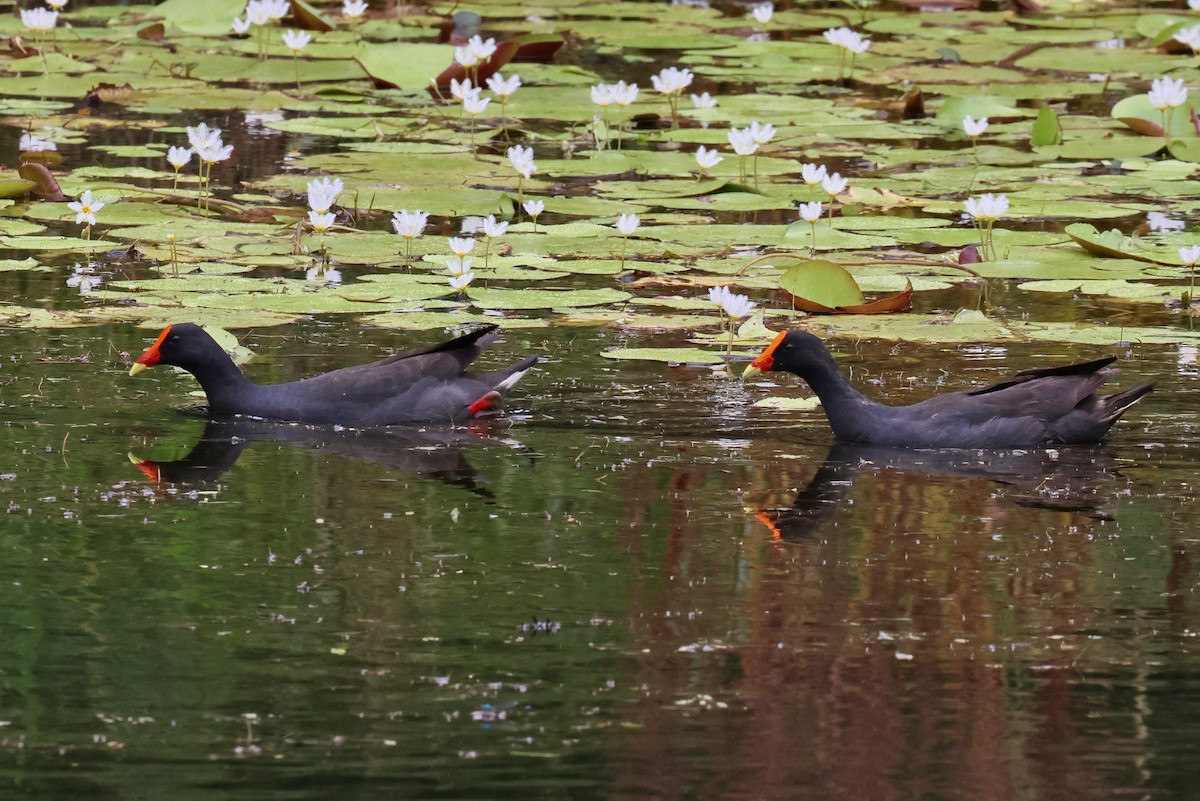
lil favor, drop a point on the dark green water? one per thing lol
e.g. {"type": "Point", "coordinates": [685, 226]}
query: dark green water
{"type": "Point", "coordinates": [579, 600]}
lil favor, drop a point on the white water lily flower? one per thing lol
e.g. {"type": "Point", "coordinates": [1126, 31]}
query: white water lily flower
{"type": "Point", "coordinates": [323, 193]}
{"type": "Point", "coordinates": [39, 20]}
{"type": "Point", "coordinates": [534, 207]}
{"type": "Point", "coordinates": [847, 39]}
{"type": "Point", "coordinates": [731, 303]}
{"type": "Point", "coordinates": [457, 265]}
{"type": "Point", "coordinates": [858, 45]}
{"type": "Point", "coordinates": [703, 101]}
{"type": "Point", "coordinates": [813, 174]}
{"type": "Point", "coordinates": [296, 40]}
{"type": "Point", "coordinates": [409, 224]}
{"type": "Point", "coordinates": [475, 104]}
{"type": "Point", "coordinates": [1167, 93]}
{"type": "Point", "coordinates": [492, 228]}
{"type": "Point", "coordinates": [465, 56]}
{"type": "Point", "coordinates": [481, 49]}
{"type": "Point", "coordinates": [974, 127]}
{"type": "Point", "coordinates": [761, 134]}
{"type": "Point", "coordinates": [461, 245]}
{"type": "Point", "coordinates": [742, 141]}
{"type": "Point", "coordinates": [460, 89]}
{"type": "Point", "coordinates": [838, 37]}
{"type": "Point", "coordinates": [707, 159]}
{"type": "Point", "coordinates": [672, 80]}
{"type": "Point", "coordinates": [353, 9]}
{"type": "Point", "coordinates": [627, 223]}
{"type": "Point", "coordinates": [276, 9]}
{"type": "Point", "coordinates": [202, 136]}
{"type": "Point", "coordinates": [178, 157]}
{"type": "Point", "coordinates": [624, 93]}
{"type": "Point", "coordinates": [737, 306]}
{"type": "Point", "coordinates": [763, 12]}
{"type": "Point", "coordinates": [1160, 222]}
{"type": "Point", "coordinates": [987, 207]}
{"type": "Point", "coordinates": [241, 25]}
{"type": "Point", "coordinates": [85, 208]}
{"type": "Point", "coordinates": [602, 95]}
{"type": "Point", "coordinates": [834, 184]}
{"type": "Point", "coordinates": [1190, 255]}
{"type": "Point", "coordinates": [461, 282]}
{"type": "Point", "coordinates": [214, 151]}
{"type": "Point", "coordinates": [31, 143]}
{"type": "Point", "coordinates": [811, 212]}
{"type": "Point", "coordinates": [320, 222]}
{"type": "Point", "coordinates": [521, 158]}
{"type": "Point", "coordinates": [258, 13]}
{"type": "Point", "coordinates": [504, 87]}
{"type": "Point", "coordinates": [1189, 36]}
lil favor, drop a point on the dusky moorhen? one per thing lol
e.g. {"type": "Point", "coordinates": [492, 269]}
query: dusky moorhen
{"type": "Point", "coordinates": [424, 385]}
{"type": "Point", "coordinates": [1049, 406]}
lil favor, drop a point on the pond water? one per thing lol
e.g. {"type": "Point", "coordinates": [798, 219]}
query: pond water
{"type": "Point", "coordinates": [634, 585]}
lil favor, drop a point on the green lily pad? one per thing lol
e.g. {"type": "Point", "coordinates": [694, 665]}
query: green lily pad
{"type": "Point", "coordinates": [64, 243]}
{"type": "Point", "coordinates": [788, 404]}
{"type": "Point", "coordinates": [410, 66]}
{"type": "Point", "coordinates": [823, 283]}
{"type": "Point", "coordinates": [673, 356]}
{"type": "Point", "coordinates": [544, 298]}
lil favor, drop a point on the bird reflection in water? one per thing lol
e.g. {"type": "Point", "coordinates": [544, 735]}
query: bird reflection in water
{"type": "Point", "coordinates": [1072, 479]}
{"type": "Point", "coordinates": [438, 454]}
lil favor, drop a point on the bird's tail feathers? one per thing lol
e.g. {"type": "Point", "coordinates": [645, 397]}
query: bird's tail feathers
{"type": "Point", "coordinates": [1118, 403]}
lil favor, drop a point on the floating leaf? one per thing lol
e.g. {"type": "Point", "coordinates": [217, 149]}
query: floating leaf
{"type": "Point", "coordinates": [672, 356]}
{"type": "Point", "coordinates": [788, 404]}
{"type": "Point", "coordinates": [1046, 128]}
{"type": "Point", "coordinates": [544, 298]}
{"type": "Point", "coordinates": [820, 286]}
{"type": "Point", "coordinates": [407, 66]}
{"type": "Point", "coordinates": [15, 187]}
{"type": "Point", "coordinates": [1112, 244]}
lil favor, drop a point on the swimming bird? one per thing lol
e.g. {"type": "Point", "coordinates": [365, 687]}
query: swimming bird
{"type": "Point", "coordinates": [424, 385]}
{"type": "Point", "coordinates": [1046, 406]}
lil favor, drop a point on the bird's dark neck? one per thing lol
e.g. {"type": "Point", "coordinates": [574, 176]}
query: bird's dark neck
{"type": "Point", "coordinates": [848, 410]}
{"type": "Point", "coordinates": [228, 391]}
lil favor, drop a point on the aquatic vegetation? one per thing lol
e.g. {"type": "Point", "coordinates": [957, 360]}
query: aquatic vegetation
{"type": "Point", "coordinates": [369, 118]}
{"type": "Point", "coordinates": [984, 211]}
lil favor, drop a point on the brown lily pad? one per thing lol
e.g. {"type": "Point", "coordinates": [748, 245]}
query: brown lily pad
{"type": "Point", "coordinates": [45, 185]}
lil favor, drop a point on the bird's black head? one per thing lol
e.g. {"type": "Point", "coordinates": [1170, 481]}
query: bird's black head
{"type": "Point", "coordinates": [180, 344]}
{"type": "Point", "coordinates": [790, 350]}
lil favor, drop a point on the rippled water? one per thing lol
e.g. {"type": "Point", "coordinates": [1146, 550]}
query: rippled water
{"type": "Point", "coordinates": [635, 585]}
